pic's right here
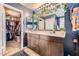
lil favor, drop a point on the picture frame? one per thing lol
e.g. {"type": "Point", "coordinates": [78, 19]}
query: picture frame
{"type": "Point", "coordinates": [75, 19]}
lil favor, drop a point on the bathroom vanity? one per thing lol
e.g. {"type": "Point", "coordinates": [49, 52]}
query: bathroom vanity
{"type": "Point", "coordinates": [47, 38]}
{"type": "Point", "coordinates": [46, 43]}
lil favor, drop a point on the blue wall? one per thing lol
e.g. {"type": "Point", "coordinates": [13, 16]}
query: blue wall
{"type": "Point", "coordinates": [68, 44]}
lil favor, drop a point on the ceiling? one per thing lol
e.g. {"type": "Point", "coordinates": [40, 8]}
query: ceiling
{"type": "Point", "coordinates": [12, 12]}
{"type": "Point", "coordinates": [32, 6]}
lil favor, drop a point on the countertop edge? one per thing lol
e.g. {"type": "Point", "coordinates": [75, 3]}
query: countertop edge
{"type": "Point", "coordinates": [56, 34]}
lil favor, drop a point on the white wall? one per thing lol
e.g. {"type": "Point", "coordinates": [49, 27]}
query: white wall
{"type": "Point", "coordinates": [2, 30]}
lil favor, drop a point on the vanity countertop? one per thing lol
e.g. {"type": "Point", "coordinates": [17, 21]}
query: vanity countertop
{"type": "Point", "coordinates": [49, 33]}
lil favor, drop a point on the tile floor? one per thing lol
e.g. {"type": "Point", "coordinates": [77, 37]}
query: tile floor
{"type": "Point", "coordinates": [14, 47]}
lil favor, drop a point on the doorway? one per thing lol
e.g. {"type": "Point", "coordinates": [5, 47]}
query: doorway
{"type": "Point", "coordinates": [13, 30]}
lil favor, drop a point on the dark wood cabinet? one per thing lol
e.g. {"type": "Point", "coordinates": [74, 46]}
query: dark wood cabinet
{"type": "Point", "coordinates": [46, 45]}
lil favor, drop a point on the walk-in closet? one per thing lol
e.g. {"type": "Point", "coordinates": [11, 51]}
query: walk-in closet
{"type": "Point", "coordinates": [13, 30]}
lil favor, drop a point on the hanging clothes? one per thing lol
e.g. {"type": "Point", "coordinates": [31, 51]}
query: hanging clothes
{"type": "Point", "coordinates": [18, 30]}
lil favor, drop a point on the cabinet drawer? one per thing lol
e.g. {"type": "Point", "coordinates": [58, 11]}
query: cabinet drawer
{"type": "Point", "coordinates": [35, 36]}
{"type": "Point", "coordinates": [44, 37]}
{"type": "Point", "coordinates": [56, 39]}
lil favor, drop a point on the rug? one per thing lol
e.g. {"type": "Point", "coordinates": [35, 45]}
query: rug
{"type": "Point", "coordinates": [21, 53]}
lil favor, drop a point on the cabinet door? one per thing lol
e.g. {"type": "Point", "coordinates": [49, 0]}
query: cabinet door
{"type": "Point", "coordinates": [44, 48]}
{"type": "Point", "coordinates": [61, 49]}
{"type": "Point", "coordinates": [34, 45]}
{"type": "Point", "coordinates": [29, 40]}
{"type": "Point", "coordinates": [56, 48]}
{"type": "Point", "coordinates": [35, 42]}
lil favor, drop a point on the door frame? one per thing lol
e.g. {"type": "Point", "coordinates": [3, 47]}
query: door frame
{"type": "Point", "coordinates": [4, 41]}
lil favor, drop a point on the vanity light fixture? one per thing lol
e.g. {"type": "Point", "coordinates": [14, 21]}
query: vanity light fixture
{"type": "Point", "coordinates": [48, 8]}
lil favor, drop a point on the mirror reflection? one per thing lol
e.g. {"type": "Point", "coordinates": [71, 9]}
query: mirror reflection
{"type": "Point", "coordinates": [47, 20]}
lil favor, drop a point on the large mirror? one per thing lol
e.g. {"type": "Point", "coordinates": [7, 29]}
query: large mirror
{"type": "Point", "coordinates": [50, 23]}
{"type": "Point", "coordinates": [55, 23]}
{"type": "Point", "coordinates": [31, 24]}
{"type": "Point", "coordinates": [48, 18]}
